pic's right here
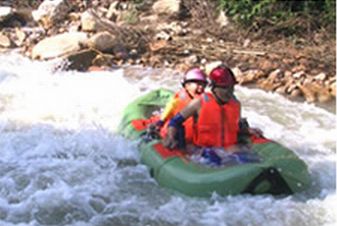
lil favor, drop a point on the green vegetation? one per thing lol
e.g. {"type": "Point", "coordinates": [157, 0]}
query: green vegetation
{"type": "Point", "coordinates": [290, 17]}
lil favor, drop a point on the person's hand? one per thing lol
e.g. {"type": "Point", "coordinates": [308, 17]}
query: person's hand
{"type": "Point", "coordinates": [155, 126]}
{"type": "Point", "coordinates": [159, 124]}
{"type": "Point", "coordinates": [169, 141]}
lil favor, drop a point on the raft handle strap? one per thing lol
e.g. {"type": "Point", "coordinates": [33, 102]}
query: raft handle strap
{"type": "Point", "coordinates": [277, 184]}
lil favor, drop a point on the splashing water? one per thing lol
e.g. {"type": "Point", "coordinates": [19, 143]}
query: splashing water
{"type": "Point", "coordinates": [62, 162]}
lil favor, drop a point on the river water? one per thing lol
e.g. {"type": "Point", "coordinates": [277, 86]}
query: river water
{"type": "Point", "coordinates": [62, 163]}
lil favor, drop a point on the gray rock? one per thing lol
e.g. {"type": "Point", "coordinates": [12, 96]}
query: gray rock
{"type": "Point", "coordinates": [51, 11]}
{"type": "Point", "coordinates": [5, 41]}
{"type": "Point", "coordinates": [5, 11]}
{"type": "Point", "coordinates": [59, 45]}
{"type": "Point", "coordinates": [102, 41]}
{"type": "Point", "coordinates": [167, 7]}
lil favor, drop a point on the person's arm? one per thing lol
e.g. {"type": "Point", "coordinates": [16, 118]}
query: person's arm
{"type": "Point", "coordinates": [191, 109]}
{"type": "Point", "coordinates": [169, 109]}
{"type": "Point", "coordinates": [166, 115]}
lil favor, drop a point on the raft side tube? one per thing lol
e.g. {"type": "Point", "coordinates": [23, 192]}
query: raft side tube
{"type": "Point", "coordinates": [197, 180]}
{"type": "Point", "coordinates": [291, 168]}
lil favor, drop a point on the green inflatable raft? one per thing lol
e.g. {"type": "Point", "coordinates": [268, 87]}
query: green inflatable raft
{"type": "Point", "coordinates": [280, 170]}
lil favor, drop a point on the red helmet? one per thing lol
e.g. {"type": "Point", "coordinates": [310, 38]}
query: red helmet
{"type": "Point", "coordinates": [222, 76]}
{"type": "Point", "coordinates": [194, 74]}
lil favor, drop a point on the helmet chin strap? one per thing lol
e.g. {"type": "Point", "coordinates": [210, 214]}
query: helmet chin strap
{"type": "Point", "coordinates": [189, 94]}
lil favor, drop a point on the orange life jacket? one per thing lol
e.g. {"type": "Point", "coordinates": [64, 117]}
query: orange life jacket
{"type": "Point", "coordinates": [217, 125]}
{"type": "Point", "coordinates": [183, 100]}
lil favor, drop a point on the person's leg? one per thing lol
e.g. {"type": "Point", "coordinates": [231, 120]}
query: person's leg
{"type": "Point", "coordinates": [180, 137]}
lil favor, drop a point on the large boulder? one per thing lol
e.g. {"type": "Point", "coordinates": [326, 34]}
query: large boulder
{"type": "Point", "coordinates": [171, 7]}
{"type": "Point", "coordinates": [89, 22]}
{"type": "Point", "coordinates": [51, 11]}
{"type": "Point", "coordinates": [5, 42]}
{"type": "Point", "coordinates": [80, 60]}
{"type": "Point", "coordinates": [5, 12]}
{"type": "Point", "coordinates": [11, 17]}
{"type": "Point", "coordinates": [59, 45]}
{"type": "Point", "coordinates": [102, 41]}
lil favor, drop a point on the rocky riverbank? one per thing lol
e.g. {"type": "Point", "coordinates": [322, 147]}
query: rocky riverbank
{"type": "Point", "coordinates": [175, 34]}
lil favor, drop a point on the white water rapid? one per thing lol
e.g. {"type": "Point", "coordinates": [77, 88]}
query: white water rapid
{"type": "Point", "coordinates": [62, 163]}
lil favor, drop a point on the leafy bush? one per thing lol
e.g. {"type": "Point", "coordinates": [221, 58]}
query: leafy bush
{"type": "Point", "coordinates": [321, 13]}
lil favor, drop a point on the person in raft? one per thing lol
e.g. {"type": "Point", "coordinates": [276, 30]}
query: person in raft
{"type": "Point", "coordinates": [216, 115]}
{"type": "Point", "coordinates": [193, 85]}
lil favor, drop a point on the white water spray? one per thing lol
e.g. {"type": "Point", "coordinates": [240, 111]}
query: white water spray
{"type": "Point", "coordinates": [62, 162]}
